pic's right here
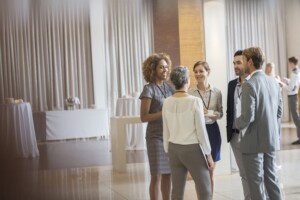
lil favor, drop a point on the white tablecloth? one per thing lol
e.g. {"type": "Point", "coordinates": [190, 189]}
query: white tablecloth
{"type": "Point", "coordinates": [17, 134]}
{"type": "Point", "coordinates": [71, 124]}
{"type": "Point", "coordinates": [135, 132]}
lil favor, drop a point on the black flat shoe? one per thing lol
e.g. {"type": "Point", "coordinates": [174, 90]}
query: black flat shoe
{"type": "Point", "coordinates": [296, 142]}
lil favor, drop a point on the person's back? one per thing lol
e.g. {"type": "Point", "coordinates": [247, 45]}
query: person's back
{"type": "Point", "coordinates": [183, 130]}
{"type": "Point", "coordinates": [260, 110]}
{"type": "Point", "coordinates": [262, 131]}
{"type": "Point", "coordinates": [181, 115]}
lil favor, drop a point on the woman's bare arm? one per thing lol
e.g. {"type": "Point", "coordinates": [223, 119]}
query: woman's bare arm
{"type": "Point", "coordinates": [145, 115]}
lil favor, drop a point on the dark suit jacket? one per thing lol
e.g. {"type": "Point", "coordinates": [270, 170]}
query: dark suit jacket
{"type": "Point", "coordinates": [230, 107]}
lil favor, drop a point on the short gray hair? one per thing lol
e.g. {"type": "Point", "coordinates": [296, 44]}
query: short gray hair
{"type": "Point", "coordinates": [179, 76]}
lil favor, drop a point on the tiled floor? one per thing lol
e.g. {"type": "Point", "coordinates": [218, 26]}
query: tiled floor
{"type": "Point", "coordinates": [82, 170]}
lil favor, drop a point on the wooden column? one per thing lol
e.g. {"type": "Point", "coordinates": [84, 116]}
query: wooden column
{"type": "Point", "coordinates": [191, 34]}
{"type": "Point", "coordinates": [179, 31]}
{"type": "Point", "coordinates": [166, 29]}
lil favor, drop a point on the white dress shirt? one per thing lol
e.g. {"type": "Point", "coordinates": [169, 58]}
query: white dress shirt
{"type": "Point", "coordinates": [293, 84]}
{"type": "Point", "coordinates": [237, 99]}
{"type": "Point", "coordinates": [183, 122]}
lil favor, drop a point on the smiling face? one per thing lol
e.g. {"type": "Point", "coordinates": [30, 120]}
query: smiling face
{"type": "Point", "coordinates": [201, 74]}
{"type": "Point", "coordinates": [161, 70]}
{"type": "Point", "coordinates": [238, 65]}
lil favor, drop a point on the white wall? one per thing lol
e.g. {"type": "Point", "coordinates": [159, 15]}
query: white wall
{"type": "Point", "coordinates": [97, 40]}
{"type": "Point", "coordinates": [215, 47]}
{"type": "Point", "coordinates": [293, 27]}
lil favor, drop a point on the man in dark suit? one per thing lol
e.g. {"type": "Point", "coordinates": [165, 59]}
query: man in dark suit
{"type": "Point", "coordinates": [233, 134]}
{"type": "Point", "coordinates": [260, 110]}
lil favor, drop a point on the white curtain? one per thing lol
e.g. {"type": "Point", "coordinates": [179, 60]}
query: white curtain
{"type": "Point", "coordinates": [45, 52]}
{"type": "Point", "coordinates": [258, 23]}
{"type": "Point", "coordinates": [128, 36]}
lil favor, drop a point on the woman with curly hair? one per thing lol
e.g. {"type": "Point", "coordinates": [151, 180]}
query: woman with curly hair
{"type": "Point", "coordinates": [155, 71]}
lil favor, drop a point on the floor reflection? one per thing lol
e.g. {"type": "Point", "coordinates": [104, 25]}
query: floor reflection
{"type": "Point", "coordinates": [82, 170]}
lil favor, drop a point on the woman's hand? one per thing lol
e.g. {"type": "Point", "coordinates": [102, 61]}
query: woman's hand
{"type": "Point", "coordinates": [216, 116]}
{"type": "Point", "coordinates": [211, 163]}
{"type": "Point", "coordinates": [285, 80]}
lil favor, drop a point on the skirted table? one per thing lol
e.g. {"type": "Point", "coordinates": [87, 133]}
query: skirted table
{"type": "Point", "coordinates": [71, 124]}
{"type": "Point", "coordinates": [17, 133]}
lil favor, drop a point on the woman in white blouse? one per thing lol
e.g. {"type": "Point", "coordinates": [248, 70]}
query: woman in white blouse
{"type": "Point", "coordinates": [185, 138]}
{"type": "Point", "coordinates": [211, 98]}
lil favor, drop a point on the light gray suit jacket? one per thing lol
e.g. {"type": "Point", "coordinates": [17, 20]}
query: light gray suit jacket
{"type": "Point", "coordinates": [261, 109]}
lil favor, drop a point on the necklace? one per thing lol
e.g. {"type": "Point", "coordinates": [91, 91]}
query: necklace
{"type": "Point", "coordinates": [180, 91]}
{"type": "Point", "coordinates": [206, 106]}
{"type": "Point", "coordinates": [163, 92]}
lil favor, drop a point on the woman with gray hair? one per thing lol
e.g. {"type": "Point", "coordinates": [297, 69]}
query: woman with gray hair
{"type": "Point", "coordinates": [185, 138]}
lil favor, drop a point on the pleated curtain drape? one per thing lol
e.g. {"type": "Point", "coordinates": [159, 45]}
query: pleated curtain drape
{"type": "Point", "coordinates": [45, 52]}
{"type": "Point", "coordinates": [129, 41]}
{"type": "Point", "coordinates": [258, 23]}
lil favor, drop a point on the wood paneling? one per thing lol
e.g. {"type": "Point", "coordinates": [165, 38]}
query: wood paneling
{"type": "Point", "coordinates": [179, 31]}
{"type": "Point", "coordinates": [166, 30]}
{"type": "Point", "coordinates": [191, 33]}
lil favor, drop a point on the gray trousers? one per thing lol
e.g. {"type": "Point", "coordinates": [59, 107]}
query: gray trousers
{"type": "Point", "coordinates": [293, 105]}
{"type": "Point", "coordinates": [235, 145]}
{"type": "Point", "coordinates": [261, 175]}
{"type": "Point", "coordinates": [188, 158]}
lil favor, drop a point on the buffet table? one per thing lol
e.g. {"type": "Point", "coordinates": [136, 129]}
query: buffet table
{"type": "Point", "coordinates": [72, 124]}
{"type": "Point", "coordinates": [17, 133]}
{"type": "Point", "coordinates": [135, 133]}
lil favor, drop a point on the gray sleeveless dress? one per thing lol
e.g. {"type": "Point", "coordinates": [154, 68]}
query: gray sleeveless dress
{"type": "Point", "coordinates": [158, 159]}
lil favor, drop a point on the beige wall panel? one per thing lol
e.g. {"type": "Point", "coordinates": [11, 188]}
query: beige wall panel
{"type": "Point", "coordinates": [191, 33]}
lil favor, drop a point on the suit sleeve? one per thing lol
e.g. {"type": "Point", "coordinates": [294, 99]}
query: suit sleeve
{"type": "Point", "coordinates": [248, 107]}
{"type": "Point", "coordinates": [280, 106]}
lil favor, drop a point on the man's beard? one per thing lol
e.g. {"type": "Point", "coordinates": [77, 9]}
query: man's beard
{"type": "Point", "coordinates": [247, 70]}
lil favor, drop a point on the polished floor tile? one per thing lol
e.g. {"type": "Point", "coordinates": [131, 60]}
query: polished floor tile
{"type": "Point", "coordinates": [71, 170]}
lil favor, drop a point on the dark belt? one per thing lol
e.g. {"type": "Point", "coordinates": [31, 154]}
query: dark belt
{"type": "Point", "coordinates": [236, 131]}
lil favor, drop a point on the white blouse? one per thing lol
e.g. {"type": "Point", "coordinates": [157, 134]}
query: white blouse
{"type": "Point", "coordinates": [293, 82]}
{"type": "Point", "coordinates": [184, 123]}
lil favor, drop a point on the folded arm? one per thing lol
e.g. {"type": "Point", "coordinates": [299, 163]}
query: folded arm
{"type": "Point", "coordinates": [145, 115]}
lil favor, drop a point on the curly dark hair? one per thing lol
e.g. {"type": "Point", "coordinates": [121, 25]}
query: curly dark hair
{"type": "Point", "coordinates": [150, 64]}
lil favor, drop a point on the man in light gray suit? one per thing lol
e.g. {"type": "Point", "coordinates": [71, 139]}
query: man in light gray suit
{"type": "Point", "coordinates": [260, 110]}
